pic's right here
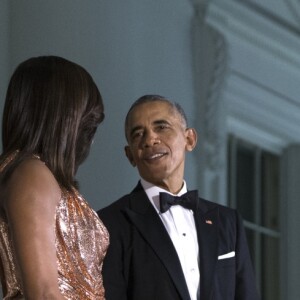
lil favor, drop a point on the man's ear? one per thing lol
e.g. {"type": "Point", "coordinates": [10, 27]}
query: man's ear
{"type": "Point", "coordinates": [191, 139]}
{"type": "Point", "coordinates": [129, 155]}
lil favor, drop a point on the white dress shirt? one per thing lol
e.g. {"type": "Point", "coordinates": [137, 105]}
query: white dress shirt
{"type": "Point", "coordinates": [180, 224]}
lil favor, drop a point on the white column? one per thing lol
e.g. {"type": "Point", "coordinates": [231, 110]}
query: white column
{"type": "Point", "coordinates": [209, 62]}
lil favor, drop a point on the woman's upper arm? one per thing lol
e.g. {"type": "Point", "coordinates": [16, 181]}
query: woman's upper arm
{"type": "Point", "coordinates": [31, 198]}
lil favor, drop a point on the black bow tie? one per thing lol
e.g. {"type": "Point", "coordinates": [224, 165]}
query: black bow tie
{"type": "Point", "coordinates": [187, 200]}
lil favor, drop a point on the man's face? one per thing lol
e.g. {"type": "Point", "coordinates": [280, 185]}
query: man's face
{"type": "Point", "coordinates": [157, 141]}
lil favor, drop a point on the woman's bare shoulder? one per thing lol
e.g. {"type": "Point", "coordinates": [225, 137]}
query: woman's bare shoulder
{"type": "Point", "coordinates": [32, 182]}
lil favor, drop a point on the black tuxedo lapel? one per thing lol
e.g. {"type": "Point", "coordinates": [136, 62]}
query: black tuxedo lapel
{"type": "Point", "coordinates": [143, 215]}
{"type": "Point", "coordinates": [207, 230]}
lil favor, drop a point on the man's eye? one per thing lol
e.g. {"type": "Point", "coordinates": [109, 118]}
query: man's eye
{"type": "Point", "coordinates": [137, 134]}
{"type": "Point", "coordinates": [162, 126]}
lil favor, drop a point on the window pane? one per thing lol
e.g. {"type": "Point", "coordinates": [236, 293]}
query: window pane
{"type": "Point", "coordinates": [254, 189]}
{"type": "Point", "coordinates": [270, 191]}
{"type": "Point", "coordinates": [270, 268]}
{"type": "Point", "coordinates": [245, 191]}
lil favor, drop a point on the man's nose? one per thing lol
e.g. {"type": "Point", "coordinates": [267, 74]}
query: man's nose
{"type": "Point", "coordinates": [150, 139]}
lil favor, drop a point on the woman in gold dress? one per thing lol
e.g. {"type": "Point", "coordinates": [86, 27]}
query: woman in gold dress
{"type": "Point", "coordinates": [52, 243]}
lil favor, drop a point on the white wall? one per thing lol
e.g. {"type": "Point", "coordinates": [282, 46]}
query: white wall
{"type": "Point", "coordinates": [4, 49]}
{"type": "Point", "coordinates": [131, 48]}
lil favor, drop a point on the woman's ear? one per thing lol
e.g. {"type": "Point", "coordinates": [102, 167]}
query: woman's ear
{"type": "Point", "coordinates": [191, 139]}
{"type": "Point", "coordinates": [129, 155]}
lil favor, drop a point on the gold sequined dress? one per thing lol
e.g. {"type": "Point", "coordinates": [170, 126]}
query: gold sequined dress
{"type": "Point", "coordinates": [81, 244]}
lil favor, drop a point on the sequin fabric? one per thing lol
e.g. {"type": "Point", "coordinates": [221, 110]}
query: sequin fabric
{"type": "Point", "coordinates": [81, 244]}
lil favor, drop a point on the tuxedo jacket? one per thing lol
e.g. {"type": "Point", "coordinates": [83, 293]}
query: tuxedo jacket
{"type": "Point", "coordinates": [142, 264]}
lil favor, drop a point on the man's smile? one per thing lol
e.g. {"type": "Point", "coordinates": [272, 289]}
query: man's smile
{"type": "Point", "coordinates": [154, 156]}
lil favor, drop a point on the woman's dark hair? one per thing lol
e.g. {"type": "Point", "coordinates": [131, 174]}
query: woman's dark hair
{"type": "Point", "coordinates": [52, 109]}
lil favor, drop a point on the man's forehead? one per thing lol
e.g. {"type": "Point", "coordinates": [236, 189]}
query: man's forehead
{"type": "Point", "coordinates": [152, 109]}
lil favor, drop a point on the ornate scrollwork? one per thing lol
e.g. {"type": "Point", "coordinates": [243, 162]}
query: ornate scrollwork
{"type": "Point", "coordinates": [214, 137]}
{"type": "Point", "coordinates": [212, 110]}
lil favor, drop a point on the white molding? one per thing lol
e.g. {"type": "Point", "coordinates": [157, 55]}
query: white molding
{"type": "Point", "coordinates": [231, 18]}
{"type": "Point", "coordinates": [263, 107]}
{"type": "Point", "coordinates": [255, 135]}
{"type": "Point", "coordinates": [261, 93]}
{"type": "Point", "coordinates": [261, 117]}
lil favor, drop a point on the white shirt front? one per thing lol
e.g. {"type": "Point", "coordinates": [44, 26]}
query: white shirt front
{"type": "Point", "coordinates": [180, 224]}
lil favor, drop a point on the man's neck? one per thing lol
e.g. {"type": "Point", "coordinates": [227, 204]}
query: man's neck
{"type": "Point", "coordinates": [170, 186]}
{"type": "Point", "coordinates": [164, 187]}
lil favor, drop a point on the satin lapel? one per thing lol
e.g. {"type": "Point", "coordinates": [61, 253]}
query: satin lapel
{"type": "Point", "coordinates": [206, 221]}
{"type": "Point", "coordinates": [143, 215]}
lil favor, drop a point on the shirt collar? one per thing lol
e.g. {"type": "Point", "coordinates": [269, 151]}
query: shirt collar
{"type": "Point", "coordinates": [153, 191]}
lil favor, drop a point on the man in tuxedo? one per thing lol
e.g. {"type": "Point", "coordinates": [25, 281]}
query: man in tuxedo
{"type": "Point", "coordinates": [164, 247]}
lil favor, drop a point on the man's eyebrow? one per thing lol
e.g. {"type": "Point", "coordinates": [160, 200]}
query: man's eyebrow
{"type": "Point", "coordinates": [159, 122]}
